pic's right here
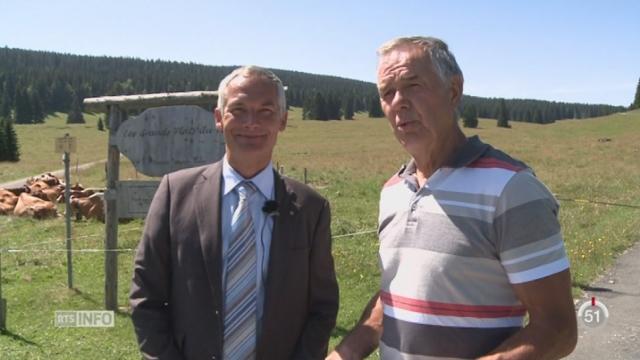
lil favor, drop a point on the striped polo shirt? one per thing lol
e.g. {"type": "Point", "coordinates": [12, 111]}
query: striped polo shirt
{"type": "Point", "coordinates": [449, 252]}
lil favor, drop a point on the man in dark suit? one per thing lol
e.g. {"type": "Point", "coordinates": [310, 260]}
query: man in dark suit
{"type": "Point", "coordinates": [235, 261]}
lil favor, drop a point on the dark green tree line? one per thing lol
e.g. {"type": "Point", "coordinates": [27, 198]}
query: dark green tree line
{"type": "Point", "coordinates": [34, 84]}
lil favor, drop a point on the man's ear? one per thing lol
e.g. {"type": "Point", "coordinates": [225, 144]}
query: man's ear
{"type": "Point", "coordinates": [217, 116]}
{"type": "Point", "coordinates": [283, 124]}
{"type": "Point", "coordinates": [456, 89]}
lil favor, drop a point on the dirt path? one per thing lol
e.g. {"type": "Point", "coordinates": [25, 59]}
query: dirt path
{"type": "Point", "coordinates": [619, 291]}
{"type": "Point", "coordinates": [58, 173]}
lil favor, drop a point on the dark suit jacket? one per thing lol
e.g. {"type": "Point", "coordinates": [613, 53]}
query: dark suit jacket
{"type": "Point", "coordinates": [176, 295]}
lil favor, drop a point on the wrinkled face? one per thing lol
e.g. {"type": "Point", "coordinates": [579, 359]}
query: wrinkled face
{"type": "Point", "coordinates": [419, 105]}
{"type": "Point", "coordinates": [251, 119]}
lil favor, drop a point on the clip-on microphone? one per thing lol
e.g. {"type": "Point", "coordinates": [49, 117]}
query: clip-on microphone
{"type": "Point", "coordinates": [270, 208]}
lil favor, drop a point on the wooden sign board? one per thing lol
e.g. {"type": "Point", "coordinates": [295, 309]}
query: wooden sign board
{"type": "Point", "coordinates": [169, 138]}
{"type": "Point", "coordinates": [65, 144]}
{"type": "Point", "coordinates": [134, 198]}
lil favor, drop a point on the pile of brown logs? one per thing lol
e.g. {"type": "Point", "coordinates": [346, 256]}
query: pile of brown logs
{"type": "Point", "coordinates": [38, 196]}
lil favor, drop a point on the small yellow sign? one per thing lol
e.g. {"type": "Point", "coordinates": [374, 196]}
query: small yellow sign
{"type": "Point", "coordinates": [66, 144]}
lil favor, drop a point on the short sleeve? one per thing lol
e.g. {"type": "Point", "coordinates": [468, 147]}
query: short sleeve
{"type": "Point", "coordinates": [528, 236]}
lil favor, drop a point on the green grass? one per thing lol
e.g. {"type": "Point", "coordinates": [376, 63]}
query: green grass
{"type": "Point", "coordinates": [347, 161]}
{"type": "Point", "coordinates": [35, 286]}
{"type": "Point", "coordinates": [37, 144]}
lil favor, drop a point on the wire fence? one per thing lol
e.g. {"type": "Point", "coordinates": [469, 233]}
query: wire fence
{"type": "Point", "coordinates": [26, 248]}
{"type": "Point", "coordinates": [597, 202]}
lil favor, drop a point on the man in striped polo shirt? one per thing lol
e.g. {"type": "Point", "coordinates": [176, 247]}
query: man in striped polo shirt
{"type": "Point", "coordinates": [469, 238]}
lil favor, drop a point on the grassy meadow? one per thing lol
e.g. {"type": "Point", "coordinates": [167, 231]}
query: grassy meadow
{"type": "Point", "coordinates": [347, 161]}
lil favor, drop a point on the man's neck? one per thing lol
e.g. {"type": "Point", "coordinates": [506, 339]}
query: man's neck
{"type": "Point", "coordinates": [247, 167]}
{"type": "Point", "coordinates": [437, 155]}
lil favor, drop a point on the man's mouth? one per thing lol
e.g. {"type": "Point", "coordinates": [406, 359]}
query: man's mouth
{"type": "Point", "coordinates": [251, 136]}
{"type": "Point", "coordinates": [404, 123]}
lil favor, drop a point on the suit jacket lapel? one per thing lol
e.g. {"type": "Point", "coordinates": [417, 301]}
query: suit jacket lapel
{"type": "Point", "coordinates": [208, 198]}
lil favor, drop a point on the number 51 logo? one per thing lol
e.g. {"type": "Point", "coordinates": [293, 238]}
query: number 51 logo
{"type": "Point", "coordinates": [593, 313]}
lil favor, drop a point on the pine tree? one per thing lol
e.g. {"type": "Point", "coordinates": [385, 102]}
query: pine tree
{"type": "Point", "coordinates": [11, 141]}
{"type": "Point", "coordinates": [636, 101]}
{"type": "Point", "coordinates": [375, 110]}
{"type": "Point", "coordinates": [348, 107]}
{"type": "Point", "coordinates": [503, 115]}
{"type": "Point", "coordinates": [307, 106]}
{"type": "Point", "coordinates": [59, 96]}
{"type": "Point", "coordinates": [4, 150]}
{"type": "Point", "coordinates": [24, 114]}
{"type": "Point", "coordinates": [75, 114]}
{"type": "Point", "coordinates": [5, 103]}
{"type": "Point", "coordinates": [37, 109]}
{"type": "Point", "coordinates": [358, 104]}
{"type": "Point", "coordinates": [469, 117]}
{"type": "Point", "coordinates": [319, 109]}
{"type": "Point", "coordinates": [334, 108]}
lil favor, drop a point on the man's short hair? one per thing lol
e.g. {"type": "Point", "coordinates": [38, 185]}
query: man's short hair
{"type": "Point", "coordinates": [444, 62]}
{"type": "Point", "coordinates": [251, 71]}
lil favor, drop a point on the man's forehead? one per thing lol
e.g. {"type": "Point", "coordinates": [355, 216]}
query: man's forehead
{"type": "Point", "coordinates": [401, 60]}
{"type": "Point", "coordinates": [251, 85]}
{"type": "Point", "coordinates": [249, 80]}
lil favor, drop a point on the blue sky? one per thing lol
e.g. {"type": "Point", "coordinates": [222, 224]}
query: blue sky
{"type": "Point", "coordinates": [576, 51]}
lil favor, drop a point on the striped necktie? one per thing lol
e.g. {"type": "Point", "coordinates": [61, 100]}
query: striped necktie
{"type": "Point", "coordinates": [240, 288]}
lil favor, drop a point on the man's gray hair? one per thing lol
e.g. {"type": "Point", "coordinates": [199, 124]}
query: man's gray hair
{"type": "Point", "coordinates": [251, 71]}
{"type": "Point", "coordinates": [443, 60]}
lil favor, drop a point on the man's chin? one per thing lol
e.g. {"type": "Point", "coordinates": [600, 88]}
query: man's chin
{"type": "Point", "coordinates": [253, 148]}
{"type": "Point", "coordinates": [414, 145]}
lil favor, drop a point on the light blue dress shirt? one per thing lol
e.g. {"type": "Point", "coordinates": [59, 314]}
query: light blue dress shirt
{"type": "Point", "coordinates": [262, 224]}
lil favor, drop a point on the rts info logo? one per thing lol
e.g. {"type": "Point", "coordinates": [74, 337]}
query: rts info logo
{"type": "Point", "coordinates": [73, 318]}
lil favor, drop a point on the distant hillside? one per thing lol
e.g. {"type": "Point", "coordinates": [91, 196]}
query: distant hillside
{"type": "Point", "coordinates": [36, 83]}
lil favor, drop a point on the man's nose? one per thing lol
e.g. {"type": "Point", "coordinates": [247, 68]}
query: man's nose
{"type": "Point", "coordinates": [400, 100]}
{"type": "Point", "coordinates": [251, 119]}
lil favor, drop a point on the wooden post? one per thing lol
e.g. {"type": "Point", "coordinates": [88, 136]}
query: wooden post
{"type": "Point", "coordinates": [67, 216]}
{"type": "Point", "coordinates": [305, 176]}
{"type": "Point", "coordinates": [116, 116]}
{"type": "Point", "coordinates": [3, 302]}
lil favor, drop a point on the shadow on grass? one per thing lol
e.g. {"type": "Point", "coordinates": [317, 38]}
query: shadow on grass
{"type": "Point", "coordinates": [603, 290]}
{"type": "Point", "coordinates": [587, 287]}
{"type": "Point", "coordinates": [125, 312]}
{"type": "Point", "coordinates": [17, 337]}
{"type": "Point", "coordinates": [86, 297]}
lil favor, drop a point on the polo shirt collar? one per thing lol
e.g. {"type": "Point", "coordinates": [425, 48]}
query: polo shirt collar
{"type": "Point", "coordinates": [470, 151]}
